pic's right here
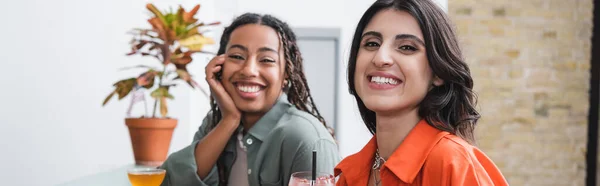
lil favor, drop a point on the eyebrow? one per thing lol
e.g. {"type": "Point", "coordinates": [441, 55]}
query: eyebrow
{"type": "Point", "coordinates": [267, 49]}
{"type": "Point", "coordinates": [398, 37]}
{"type": "Point", "coordinates": [239, 47]}
{"type": "Point", "coordinates": [410, 37]}
{"type": "Point", "coordinates": [372, 33]}
{"type": "Point", "coordinates": [262, 49]}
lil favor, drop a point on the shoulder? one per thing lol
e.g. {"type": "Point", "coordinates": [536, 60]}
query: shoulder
{"type": "Point", "coordinates": [451, 149]}
{"type": "Point", "coordinates": [353, 165]}
{"type": "Point", "coordinates": [460, 162]}
{"type": "Point", "coordinates": [206, 121]}
{"type": "Point", "coordinates": [349, 163]}
{"type": "Point", "coordinates": [299, 127]}
{"type": "Point", "coordinates": [297, 123]}
{"type": "Point", "coordinates": [452, 154]}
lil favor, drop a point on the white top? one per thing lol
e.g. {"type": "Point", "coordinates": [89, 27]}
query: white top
{"type": "Point", "coordinates": [239, 170]}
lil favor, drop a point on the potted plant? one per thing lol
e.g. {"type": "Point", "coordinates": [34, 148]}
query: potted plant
{"type": "Point", "coordinates": [172, 40]}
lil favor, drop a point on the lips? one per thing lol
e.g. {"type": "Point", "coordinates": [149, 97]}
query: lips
{"type": "Point", "coordinates": [382, 80]}
{"type": "Point", "coordinates": [248, 89]}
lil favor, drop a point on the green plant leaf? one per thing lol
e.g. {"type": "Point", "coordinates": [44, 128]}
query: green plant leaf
{"type": "Point", "coordinates": [154, 47]}
{"type": "Point", "coordinates": [188, 17]}
{"type": "Point", "coordinates": [146, 79]}
{"type": "Point", "coordinates": [155, 11]}
{"type": "Point", "coordinates": [185, 75]}
{"type": "Point", "coordinates": [108, 98]}
{"type": "Point", "coordinates": [141, 44]}
{"type": "Point", "coordinates": [162, 92]}
{"type": "Point", "coordinates": [159, 27]}
{"type": "Point", "coordinates": [184, 60]}
{"type": "Point", "coordinates": [169, 18]}
{"type": "Point", "coordinates": [131, 53]}
{"type": "Point", "coordinates": [196, 42]}
{"type": "Point", "coordinates": [140, 66]}
{"type": "Point", "coordinates": [179, 15]}
{"type": "Point", "coordinates": [124, 87]}
{"type": "Point", "coordinates": [180, 30]}
{"type": "Point", "coordinates": [157, 93]}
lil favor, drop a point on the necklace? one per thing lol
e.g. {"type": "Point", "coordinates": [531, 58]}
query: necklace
{"type": "Point", "coordinates": [377, 163]}
{"type": "Point", "coordinates": [240, 136]}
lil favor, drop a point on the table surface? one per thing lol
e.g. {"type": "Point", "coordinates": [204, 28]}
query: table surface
{"type": "Point", "coordinates": [114, 177]}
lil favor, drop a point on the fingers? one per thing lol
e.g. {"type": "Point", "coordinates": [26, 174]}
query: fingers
{"type": "Point", "coordinates": [214, 66]}
{"type": "Point", "coordinates": [212, 80]}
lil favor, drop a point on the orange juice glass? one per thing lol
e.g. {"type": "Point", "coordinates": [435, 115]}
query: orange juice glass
{"type": "Point", "coordinates": [146, 176]}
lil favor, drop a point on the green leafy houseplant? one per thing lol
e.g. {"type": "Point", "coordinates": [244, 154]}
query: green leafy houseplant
{"type": "Point", "coordinates": [173, 38]}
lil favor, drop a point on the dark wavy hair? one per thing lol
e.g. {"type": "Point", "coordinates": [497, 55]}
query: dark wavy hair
{"type": "Point", "coordinates": [449, 107]}
{"type": "Point", "coordinates": [297, 87]}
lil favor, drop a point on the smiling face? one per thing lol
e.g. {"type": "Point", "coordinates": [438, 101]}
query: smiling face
{"type": "Point", "coordinates": [253, 72]}
{"type": "Point", "coordinates": [392, 71]}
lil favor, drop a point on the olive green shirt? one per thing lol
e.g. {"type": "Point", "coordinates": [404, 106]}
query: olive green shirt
{"type": "Point", "coordinates": [279, 144]}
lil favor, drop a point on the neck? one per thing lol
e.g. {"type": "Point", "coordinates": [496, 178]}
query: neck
{"type": "Point", "coordinates": [393, 128]}
{"type": "Point", "coordinates": [248, 120]}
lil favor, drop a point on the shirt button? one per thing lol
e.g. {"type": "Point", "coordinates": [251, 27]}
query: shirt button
{"type": "Point", "coordinates": [249, 171]}
{"type": "Point", "coordinates": [249, 141]}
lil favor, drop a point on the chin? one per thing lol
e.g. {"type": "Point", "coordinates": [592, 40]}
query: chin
{"type": "Point", "coordinates": [249, 107]}
{"type": "Point", "coordinates": [380, 108]}
{"type": "Point", "coordinates": [377, 104]}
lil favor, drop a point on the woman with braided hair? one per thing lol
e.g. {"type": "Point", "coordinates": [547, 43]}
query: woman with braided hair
{"type": "Point", "coordinates": [263, 124]}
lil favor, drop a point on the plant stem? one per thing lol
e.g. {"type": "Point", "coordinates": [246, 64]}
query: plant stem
{"type": "Point", "coordinates": [154, 110]}
{"type": "Point", "coordinates": [160, 79]}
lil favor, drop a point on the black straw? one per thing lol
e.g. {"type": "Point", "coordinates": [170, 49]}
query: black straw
{"type": "Point", "coordinates": [314, 167]}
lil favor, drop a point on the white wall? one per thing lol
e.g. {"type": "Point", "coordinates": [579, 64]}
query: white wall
{"type": "Point", "coordinates": [60, 59]}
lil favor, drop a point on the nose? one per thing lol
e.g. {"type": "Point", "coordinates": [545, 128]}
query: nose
{"type": "Point", "coordinates": [382, 58]}
{"type": "Point", "coordinates": [250, 68]}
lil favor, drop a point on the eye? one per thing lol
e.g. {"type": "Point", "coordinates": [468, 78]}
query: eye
{"type": "Point", "coordinates": [235, 56]}
{"type": "Point", "coordinates": [267, 60]}
{"type": "Point", "coordinates": [408, 48]}
{"type": "Point", "coordinates": [371, 44]}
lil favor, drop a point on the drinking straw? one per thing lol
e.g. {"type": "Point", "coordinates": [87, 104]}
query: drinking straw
{"type": "Point", "coordinates": [314, 168]}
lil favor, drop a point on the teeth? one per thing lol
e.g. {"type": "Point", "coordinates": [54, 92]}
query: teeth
{"type": "Point", "coordinates": [383, 80]}
{"type": "Point", "coordinates": [251, 89]}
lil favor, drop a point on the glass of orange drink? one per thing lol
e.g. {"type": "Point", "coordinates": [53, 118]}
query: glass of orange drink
{"type": "Point", "coordinates": [146, 176]}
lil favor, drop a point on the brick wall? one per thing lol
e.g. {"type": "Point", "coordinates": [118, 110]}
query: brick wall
{"type": "Point", "coordinates": [530, 60]}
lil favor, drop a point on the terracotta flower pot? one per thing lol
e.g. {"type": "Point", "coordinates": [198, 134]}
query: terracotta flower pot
{"type": "Point", "coordinates": [150, 139]}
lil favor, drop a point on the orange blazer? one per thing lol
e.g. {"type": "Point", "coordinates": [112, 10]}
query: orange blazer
{"type": "Point", "coordinates": [427, 156]}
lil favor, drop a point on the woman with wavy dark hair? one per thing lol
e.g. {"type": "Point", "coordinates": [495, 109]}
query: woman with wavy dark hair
{"type": "Point", "coordinates": [415, 94]}
{"type": "Point", "coordinates": [263, 124]}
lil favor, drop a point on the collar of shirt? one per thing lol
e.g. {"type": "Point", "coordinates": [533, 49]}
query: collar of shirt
{"type": "Point", "coordinates": [405, 162]}
{"type": "Point", "coordinates": [265, 124]}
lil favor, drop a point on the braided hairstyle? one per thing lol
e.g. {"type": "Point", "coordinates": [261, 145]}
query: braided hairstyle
{"type": "Point", "coordinates": [297, 87]}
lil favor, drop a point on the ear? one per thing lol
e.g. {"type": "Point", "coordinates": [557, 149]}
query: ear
{"type": "Point", "coordinates": [285, 83]}
{"type": "Point", "coordinates": [437, 81]}
{"type": "Point", "coordinates": [286, 80]}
